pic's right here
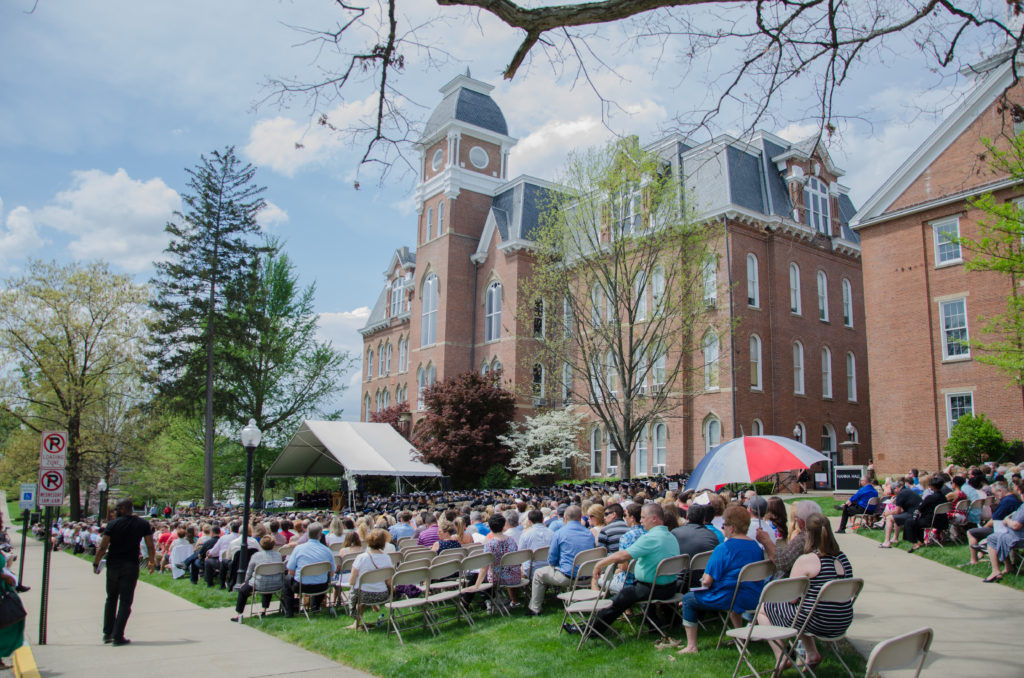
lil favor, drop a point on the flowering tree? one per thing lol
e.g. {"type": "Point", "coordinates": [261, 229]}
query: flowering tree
{"type": "Point", "coordinates": [465, 415]}
{"type": "Point", "coordinates": [393, 415]}
{"type": "Point", "coordinates": [545, 444]}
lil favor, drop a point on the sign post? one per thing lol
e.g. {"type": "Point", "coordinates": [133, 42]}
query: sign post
{"type": "Point", "coordinates": [53, 455]}
{"type": "Point", "coordinates": [26, 502]}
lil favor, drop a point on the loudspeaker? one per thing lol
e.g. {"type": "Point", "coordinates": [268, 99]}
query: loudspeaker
{"type": "Point", "coordinates": [446, 483]}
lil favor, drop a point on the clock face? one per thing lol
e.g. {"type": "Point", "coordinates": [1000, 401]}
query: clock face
{"type": "Point", "coordinates": [479, 157]}
{"type": "Point", "coordinates": [435, 162]}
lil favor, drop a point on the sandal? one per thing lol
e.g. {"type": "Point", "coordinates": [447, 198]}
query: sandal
{"type": "Point", "coordinates": [883, 546]}
{"type": "Point", "coordinates": [992, 579]}
{"type": "Point", "coordinates": [916, 547]}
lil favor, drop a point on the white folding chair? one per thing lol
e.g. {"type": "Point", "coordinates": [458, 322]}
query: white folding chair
{"type": "Point", "coordinates": [400, 609]}
{"type": "Point", "coordinates": [584, 612]}
{"type": "Point", "coordinates": [898, 652]}
{"type": "Point", "coordinates": [867, 518]}
{"type": "Point", "coordinates": [260, 574]}
{"type": "Point", "coordinates": [751, 572]}
{"type": "Point", "coordinates": [778, 591]}
{"type": "Point", "coordinates": [178, 555]}
{"type": "Point", "coordinates": [512, 560]}
{"type": "Point", "coordinates": [671, 566]}
{"type": "Point", "coordinates": [307, 571]}
{"type": "Point", "coordinates": [438, 599]}
{"type": "Point", "coordinates": [378, 576]}
{"type": "Point", "coordinates": [836, 592]}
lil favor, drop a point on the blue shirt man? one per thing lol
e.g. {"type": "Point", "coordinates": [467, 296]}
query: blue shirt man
{"type": "Point", "coordinates": [307, 554]}
{"type": "Point", "coordinates": [566, 543]}
{"type": "Point", "coordinates": [858, 503]}
{"type": "Point", "coordinates": [402, 528]}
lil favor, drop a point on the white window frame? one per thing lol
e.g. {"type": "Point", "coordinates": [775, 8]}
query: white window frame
{"type": "Point", "coordinates": [795, 304]}
{"type": "Point", "coordinates": [397, 289]}
{"type": "Point", "coordinates": [387, 360]}
{"type": "Point", "coordinates": [946, 331]}
{"type": "Point", "coordinates": [826, 373]}
{"type": "Point", "coordinates": [613, 452]}
{"type": "Point", "coordinates": [851, 377]}
{"type": "Point", "coordinates": [847, 303]}
{"type": "Point", "coordinates": [950, 422]}
{"type": "Point", "coordinates": [829, 433]}
{"type": "Point", "coordinates": [428, 330]}
{"type": "Point", "coordinates": [430, 224]}
{"type": "Point", "coordinates": [712, 433]}
{"type": "Point", "coordinates": [597, 304]}
{"type": "Point", "coordinates": [953, 254]}
{"type": "Point", "coordinates": [611, 374]}
{"type": "Point", "coordinates": [709, 280]}
{"type": "Point", "coordinates": [658, 368]}
{"type": "Point", "coordinates": [420, 385]}
{"type": "Point", "coordinates": [711, 351]}
{"type": "Point", "coordinates": [822, 296]}
{"type": "Point", "coordinates": [367, 407]}
{"type": "Point", "coordinates": [817, 205]}
{"type": "Point", "coordinates": [380, 360]}
{"type": "Point", "coordinates": [492, 312]}
{"type": "Point", "coordinates": [658, 290]}
{"type": "Point", "coordinates": [369, 364]}
{"type": "Point", "coordinates": [753, 282]}
{"type": "Point", "coordinates": [538, 386]}
{"type": "Point", "coordinates": [596, 453]}
{"type": "Point", "coordinates": [757, 428]}
{"type": "Point", "coordinates": [756, 370]}
{"type": "Point", "coordinates": [798, 368]}
{"type": "Point", "coordinates": [660, 444]}
{"type": "Point", "coordinates": [640, 452]}
{"type": "Point", "coordinates": [640, 290]}
{"type": "Point", "coordinates": [440, 218]}
{"type": "Point", "coordinates": [566, 382]}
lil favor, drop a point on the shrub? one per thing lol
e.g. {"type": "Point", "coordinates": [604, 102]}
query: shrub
{"type": "Point", "coordinates": [496, 478]}
{"type": "Point", "coordinates": [973, 440]}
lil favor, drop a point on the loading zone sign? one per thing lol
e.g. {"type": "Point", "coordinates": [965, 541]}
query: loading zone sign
{"type": "Point", "coordinates": [53, 450]}
{"type": "Point", "coordinates": [51, 486]}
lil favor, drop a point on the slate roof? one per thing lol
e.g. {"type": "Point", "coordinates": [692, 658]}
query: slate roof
{"type": "Point", "coordinates": [379, 315]}
{"type": "Point", "coordinates": [468, 106]}
{"type": "Point", "coordinates": [517, 211]}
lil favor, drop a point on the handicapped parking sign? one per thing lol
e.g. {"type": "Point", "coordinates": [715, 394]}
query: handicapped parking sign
{"type": "Point", "coordinates": [27, 497]}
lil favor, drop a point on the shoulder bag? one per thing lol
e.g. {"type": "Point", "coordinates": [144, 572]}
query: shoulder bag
{"type": "Point", "coordinates": [11, 609]}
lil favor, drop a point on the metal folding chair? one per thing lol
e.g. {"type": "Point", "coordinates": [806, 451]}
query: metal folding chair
{"type": "Point", "coordinates": [575, 592]}
{"type": "Point", "coordinates": [516, 560]}
{"type": "Point", "coordinates": [400, 609]}
{"type": "Point", "coordinates": [437, 599]}
{"type": "Point", "coordinates": [933, 535]}
{"type": "Point", "coordinates": [751, 572]}
{"type": "Point", "coordinates": [672, 566]}
{"type": "Point", "coordinates": [778, 591]}
{"type": "Point", "coordinates": [472, 564]}
{"type": "Point", "coordinates": [868, 518]}
{"type": "Point", "coordinates": [267, 570]}
{"type": "Point", "coordinates": [837, 591]}
{"type": "Point", "coordinates": [380, 575]}
{"type": "Point", "coordinates": [584, 612]}
{"type": "Point", "coordinates": [312, 570]}
{"type": "Point", "coordinates": [896, 653]}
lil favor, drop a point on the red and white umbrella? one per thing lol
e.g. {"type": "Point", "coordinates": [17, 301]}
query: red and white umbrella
{"type": "Point", "coordinates": [746, 459]}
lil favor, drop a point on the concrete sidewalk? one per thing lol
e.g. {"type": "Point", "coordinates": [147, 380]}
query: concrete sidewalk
{"type": "Point", "coordinates": [975, 629]}
{"type": "Point", "coordinates": [170, 636]}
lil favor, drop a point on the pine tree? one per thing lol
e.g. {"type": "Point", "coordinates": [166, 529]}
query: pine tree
{"type": "Point", "coordinates": [211, 245]}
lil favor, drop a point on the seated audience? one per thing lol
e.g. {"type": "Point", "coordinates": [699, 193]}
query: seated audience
{"type": "Point", "coordinates": [785, 555]}
{"type": "Point", "coordinates": [903, 506]}
{"type": "Point", "coordinates": [369, 594]}
{"type": "Point", "coordinates": [251, 582]}
{"type": "Point", "coordinates": [307, 553]}
{"type": "Point", "coordinates": [1007, 504]}
{"type": "Point", "coordinates": [1008, 534]}
{"type": "Point", "coordinates": [498, 547]}
{"type": "Point", "coordinates": [858, 503]}
{"type": "Point", "coordinates": [913, 529]}
{"type": "Point", "coordinates": [567, 542]}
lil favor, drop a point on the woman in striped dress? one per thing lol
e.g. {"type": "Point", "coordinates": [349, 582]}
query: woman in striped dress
{"type": "Point", "coordinates": [822, 562]}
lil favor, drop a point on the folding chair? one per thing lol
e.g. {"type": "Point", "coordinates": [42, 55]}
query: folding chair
{"type": "Point", "coordinates": [672, 566]}
{"type": "Point", "coordinates": [267, 570]}
{"type": "Point", "coordinates": [286, 550]}
{"type": "Point", "coordinates": [416, 552]}
{"type": "Point", "coordinates": [448, 554]}
{"type": "Point", "coordinates": [473, 549]}
{"type": "Point", "coordinates": [539, 555]}
{"type": "Point", "coordinates": [396, 558]}
{"type": "Point", "coordinates": [751, 572]}
{"type": "Point", "coordinates": [934, 533]}
{"type": "Point", "coordinates": [574, 592]}
{"type": "Point", "coordinates": [900, 651]}
{"type": "Point", "coordinates": [866, 519]}
{"type": "Point", "coordinates": [958, 528]}
{"type": "Point", "coordinates": [698, 563]}
{"type": "Point", "coordinates": [472, 564]}
{"type": "Point", "coordinates": [413, 563]}
{"type": "Point", "coordinates": [312, 570]}
{"type": "Point", "coordinates": [405, 542]}
{"type": "Point", "coordinates": [516, 560]}
{"type": "Point", "coordinates": [778, 591]}
{"type": "Point", "coordinates": [837, 591]}
{"type": "Point", "coordinates": [178, 555]}
{"type": "Point", "coordinates": [378, 576]}
{"type": "Point", "coordinates": [438, 599]}
{"type": "Point", "coordinates": [584, 612]}
{"type": "Point", "coordinates": [401, 608]}
{"type": "Point", "coordinates": [342, 564]}
{"type": "Point", "coordinates": [336, 547]}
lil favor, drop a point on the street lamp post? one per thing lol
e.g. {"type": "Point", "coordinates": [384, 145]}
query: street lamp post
{"type": "Point", "coordinates": [250, 441]}
{"type": "Point", "coordinates": [796, 433]}
{"type": "Point", "coordinates": [101, 515]}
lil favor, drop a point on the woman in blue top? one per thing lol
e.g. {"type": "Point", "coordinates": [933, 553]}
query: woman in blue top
{"type": "Point", "coordinates": [721, 574]}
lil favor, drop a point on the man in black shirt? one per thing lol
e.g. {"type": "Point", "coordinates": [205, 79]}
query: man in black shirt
{"type": "Point", "coordinates": [906, 502]}
{"type": "Point", "coordinates": [120, 543]}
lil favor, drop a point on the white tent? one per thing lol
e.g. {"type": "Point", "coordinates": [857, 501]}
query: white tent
{"type": "Point", "coordinates": [344, 448]}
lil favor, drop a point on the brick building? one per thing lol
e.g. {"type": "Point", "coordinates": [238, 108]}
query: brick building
{"type": "Point", "coordinates": [921, 301]}
{"type": "Point", "coordinates": [787, 286]}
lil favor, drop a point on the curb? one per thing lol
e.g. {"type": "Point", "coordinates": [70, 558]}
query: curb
{"type": "Point", "coordinates": [25, 663]}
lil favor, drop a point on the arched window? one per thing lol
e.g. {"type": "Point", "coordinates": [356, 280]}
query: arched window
{"type": "Point", "coordinates": [421, 383]}
{"type": "Point", "coordinates": [801, 432]}
{"type": "Point", "coordinates": [611, 367]}
{"type": "Point", "coordinates": [430, 223]}
{"type": "Point", "coordinates": [401, 354]}
{"type": "Point", "coordinates": [387, 399]}
{"type": "Point", "coordinates": [566, 383]}
{"type": "Point", "coordinates": [640, 291]}
{"type": "Point", "coordinates": [826, 373]}
{"type": "Point", "coordinates": [709, 278]}
{"type": "Point", "coordinates": [798, 368]}
{"type": "Point", "coordinates": [387, 359]}
{"type": "Point", "coordinates": [431, 375]}
{"type": "Point", "coordinates": [540, 319]}
{"type": "Point", "coordinates": [822, 296]}
{"type": "Point", "coordinates": [538, 384]}
{"type": "Point", "coordinates": [595, 451]}
{"type": "Point", "coordinates": [380, 360]}
{"type": "Point", "coordinates": [712, 434]}
{"type": "Point", "coordinates": [658, 368]}
{"type": "Point", "coordinates": [369, 364]}
{"type": "Point", "coordinates": [660, 444]}
{"type": "Point", "coordinates": [492, 318]}
{"type": "Point", "coordinates": [596, 304]}
{"type": "Point", "coordinates": [755, 363]}
{"type": "Point", "coordinates": [710, 346]}
{"type": "Point", "coordinates": [613, 455]}
{"type": "Point", "coordinates": [378, 399]}
{"type": "Point", "coordinates": [828, 438]}
{"type": "Point", "coordinates": [366, 407]}
{"type": "Point", "coordinates": [794, 289]}
{"type": "Point", "coordinates": [847, 303]}
{"type": "Point", "coordinates": [496, 366]}
{"type": "Point", "coordinates": [757, 428]}
{"type": "Point", "coordinates": [485, 368]}
{"type": "Point", "coordinates": [397, 290]}
{"type": "Point", "coordinates": [440, 218]}
{"type": "Point", "coordinates": [658, 289]}
{"type": "Point", "coordinates": [816, 205]}
{"type": "Point", "coordinates": [641, 452]}
{"type": "Point", "coordinates": [851, 378]}
{"type": "Point", "coordinates": [567, 323]}
{"type": "Point", "coordinates": [428, 333]}
{"type": "Point", "coordinates": [753, 292]}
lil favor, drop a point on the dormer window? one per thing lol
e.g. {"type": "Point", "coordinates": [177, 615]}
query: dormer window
{"type": "Point", "coordinates": [398, 299]}
{"type": "Point", "coordinates": [437, 159]}
{"type": "Point", "coordinates": [816, 205]}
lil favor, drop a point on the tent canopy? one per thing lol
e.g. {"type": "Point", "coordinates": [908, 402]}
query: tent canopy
{"type": "Point", "coordinates": [334, 448]}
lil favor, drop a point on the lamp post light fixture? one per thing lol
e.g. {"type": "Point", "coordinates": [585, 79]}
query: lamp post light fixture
{"type": "Point", "coordinates": [405, 419]}
{"type": "Point", "coordinates": [101, 514]}
{"type": "Point", "coordinates": [250, 441]}
{"type": "Point", "coordinates": [850, 430]}
{"type": "Point", "coordinates": [796, 433]}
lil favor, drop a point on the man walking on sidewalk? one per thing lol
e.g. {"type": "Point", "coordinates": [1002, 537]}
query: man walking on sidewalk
{"type": "Point", "coordinates": [120, 543]}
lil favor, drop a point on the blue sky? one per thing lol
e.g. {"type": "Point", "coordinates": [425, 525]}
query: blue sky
{"type": "Point", "coordinates": [105, 104]}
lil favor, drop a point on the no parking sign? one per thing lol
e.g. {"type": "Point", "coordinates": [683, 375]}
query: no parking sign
{"type": "Point", "coordinates": [53, 455]}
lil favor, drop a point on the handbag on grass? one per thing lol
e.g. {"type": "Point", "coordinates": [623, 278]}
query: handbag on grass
{"type": "Point", "coordinates": [11, 609]}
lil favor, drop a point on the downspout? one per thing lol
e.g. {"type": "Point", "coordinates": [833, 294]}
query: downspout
{"type": "Point", "coordinates": [931, 345]}
{"type": "Point", "coordinates": [472, 330]}
{"type": "Point", "coordinates": [732, 331]}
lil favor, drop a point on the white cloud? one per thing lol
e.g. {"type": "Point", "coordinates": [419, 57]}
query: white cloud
{"type": "Point", "coordinates": [112, 217]}
{"type": "Point", "coordinates": [798, 131]}
{"type": "Point", "coordinates": [286, 145]}
{"type": "Point", "coordinates": [18, 236]}
{"type": "Point", "coordinates": [271, 216]}
{"type": "Point", "coordinates": [341, 328]}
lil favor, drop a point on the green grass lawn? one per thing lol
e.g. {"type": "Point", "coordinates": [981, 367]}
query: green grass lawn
{"type": "Point", "coordinates": [516, 645]}
{"type": "Point", "coordinates": [951, 555]}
